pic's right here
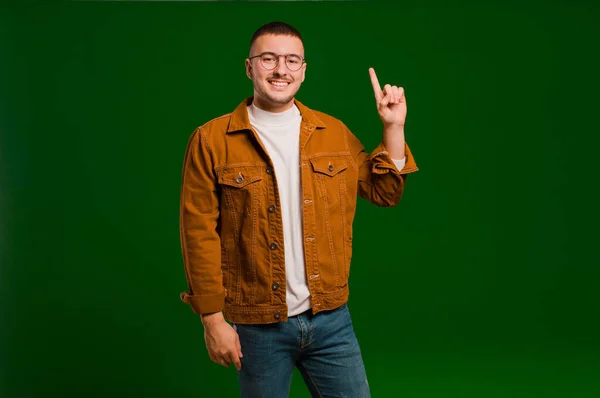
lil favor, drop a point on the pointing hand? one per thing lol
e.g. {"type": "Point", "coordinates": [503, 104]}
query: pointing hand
{"type": "Point", "coordinates": [391, 103]}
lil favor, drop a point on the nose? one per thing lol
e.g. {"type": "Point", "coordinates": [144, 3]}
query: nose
{"type": "Point", "coordinates": [281, 68]}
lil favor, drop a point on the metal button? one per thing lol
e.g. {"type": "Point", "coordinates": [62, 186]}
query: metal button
{"type": "Point", "coordinates": [273, 246]}
{"type": "Point", "coordinates": [277, 315]}
{"type": "Point", "coordinates": [330, 167]}
{"type": "Point", "coordinates": [275, 286]}
{"type": "Point", "coordinates": [271, 209]}
{"type": "Point", "coordinates": [239, 179]}
{"type": "Point", "coordinates": [269, 171]}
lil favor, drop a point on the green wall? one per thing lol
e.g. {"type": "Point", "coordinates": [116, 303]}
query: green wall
{"type": "Point", "coordinates": [484, 282]}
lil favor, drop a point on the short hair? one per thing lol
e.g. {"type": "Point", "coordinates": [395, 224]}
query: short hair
{"type": "Point", "coordinates": [275, 28]}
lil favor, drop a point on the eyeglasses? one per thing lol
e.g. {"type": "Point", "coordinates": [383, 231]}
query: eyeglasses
{"type": "Point", "coordinates": [271, 60]}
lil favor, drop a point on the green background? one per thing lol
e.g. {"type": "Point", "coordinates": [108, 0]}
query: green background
{"type": "Point", "coordinates": [484, 282]}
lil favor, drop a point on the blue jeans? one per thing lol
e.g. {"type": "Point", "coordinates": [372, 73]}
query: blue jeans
{"type": "Point", "coordinates": [323, 347]}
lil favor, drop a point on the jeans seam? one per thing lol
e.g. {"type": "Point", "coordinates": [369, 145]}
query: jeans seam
{"type": "Point", "coordinates": [312, 381]}
{"type": "Point", "coordinates": [302, 345]}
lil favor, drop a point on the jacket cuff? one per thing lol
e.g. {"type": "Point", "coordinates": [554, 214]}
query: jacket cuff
{"type": "Point", "coordinates": [204, 304]}
{"type": "Point", "coordinates": [382, 163]}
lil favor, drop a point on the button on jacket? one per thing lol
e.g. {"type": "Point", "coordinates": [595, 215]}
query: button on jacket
{"type": "Point", "coordinates": [231, 229]}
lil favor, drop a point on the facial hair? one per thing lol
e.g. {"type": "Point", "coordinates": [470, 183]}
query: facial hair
{"type": "Point", "coordinates": [271, 98]}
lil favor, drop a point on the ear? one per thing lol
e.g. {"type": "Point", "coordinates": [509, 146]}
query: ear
{"type": "Point", "coordinates": [248, 69]}
{"type": "Point", "coordinates": [303, 72]}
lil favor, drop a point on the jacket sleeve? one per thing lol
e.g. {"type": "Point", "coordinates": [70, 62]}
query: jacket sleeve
{"type": "Point", "coordinates": [200, 242]}
{"type": "Point", "coordinates": [379, 181]}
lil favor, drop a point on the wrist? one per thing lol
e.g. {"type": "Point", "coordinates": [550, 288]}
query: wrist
{"type": "Point", "coordinates": [393, 141]}
{"type": "Point", "coordinates": [393, 130]}
{"type": "Point", "coordinates": [211, 319]}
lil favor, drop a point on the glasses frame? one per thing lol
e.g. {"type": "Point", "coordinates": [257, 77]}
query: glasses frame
{"type": "Point", "coordinates": [278, 56]}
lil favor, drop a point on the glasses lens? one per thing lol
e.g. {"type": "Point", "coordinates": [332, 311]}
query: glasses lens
{"type": "Point", "coordinates": [269, 61]}
{"type": "Point", "coordinates": [293, 62]}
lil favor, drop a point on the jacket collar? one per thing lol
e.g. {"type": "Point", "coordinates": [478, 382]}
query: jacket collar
{"type": "Point", "coordinates": [239, 117]}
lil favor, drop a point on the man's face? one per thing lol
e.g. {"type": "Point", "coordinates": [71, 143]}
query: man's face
{"type": "Point", "coordinates": [274, 89]}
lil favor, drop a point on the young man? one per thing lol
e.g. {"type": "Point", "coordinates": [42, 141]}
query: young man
{"type": "Point", "coordinates": [268, 199]}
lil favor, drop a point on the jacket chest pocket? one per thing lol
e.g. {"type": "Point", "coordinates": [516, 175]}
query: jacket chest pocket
{"type": "Point", "coordinates": [330, 177]}
{"type": "Point", "coordinates": [240, 188]}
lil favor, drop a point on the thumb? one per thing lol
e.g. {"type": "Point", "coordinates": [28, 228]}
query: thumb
{"type": "Point", "coordinates": [385, 101]}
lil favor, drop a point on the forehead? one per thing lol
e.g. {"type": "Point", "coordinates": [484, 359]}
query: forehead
{"type": "Point", "coordinates": [278, 44]}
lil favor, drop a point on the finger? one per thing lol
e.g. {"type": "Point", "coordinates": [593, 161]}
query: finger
{"type": "Point", "coordinates": [226, 359]}
{"type": "Point", "coordinates": [230, 357]}
{"type": "Point", "coordinates": [396, 94]}
{"type": "Point", "coordinates": [402, 96]}
{"type": "Point", "coordinates": [376, 86]}
{"type": "Point", "coordinates": [236, 361]}
{"type": "Point", "coordinates": [385, 101]}
{"type": "Point", "coordinates": [388, 91]}
{"type": "Point", "coordinates": [223, 361]}
{"type": "Point", "coordinates": [220, 358]}
{"type": "Point", "coordinates": [238, 346]}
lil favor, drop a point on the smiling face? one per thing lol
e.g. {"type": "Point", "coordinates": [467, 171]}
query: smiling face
{"type": "Point", "coordinates": [274, 89]}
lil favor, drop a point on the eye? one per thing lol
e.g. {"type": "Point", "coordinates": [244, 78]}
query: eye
{"type": "Point", "coordinates": [294, 59]}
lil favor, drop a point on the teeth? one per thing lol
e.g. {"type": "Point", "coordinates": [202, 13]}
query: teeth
{"type": "Point", "coordinates": [279, 84]}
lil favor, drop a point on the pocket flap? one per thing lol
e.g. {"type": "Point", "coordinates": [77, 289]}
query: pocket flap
{"type": "Point", "coordinates": [238, 177]}
{"type": "Point", "coordinates": [328, 166]}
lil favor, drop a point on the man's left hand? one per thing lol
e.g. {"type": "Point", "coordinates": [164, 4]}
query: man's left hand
{"type": "Point", "coordinates": [391, 103]}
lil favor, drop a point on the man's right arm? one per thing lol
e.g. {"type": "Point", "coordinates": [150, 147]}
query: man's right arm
{"type": "Point", "coordinates": [201, 247]}
{"type": "Point", "coordinates": [200, 242]}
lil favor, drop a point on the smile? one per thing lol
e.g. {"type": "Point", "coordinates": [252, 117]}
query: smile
{"type": "Point", "coordinates": [279, 83]}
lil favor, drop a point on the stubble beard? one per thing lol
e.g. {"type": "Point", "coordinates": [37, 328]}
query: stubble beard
{"type": "Point", "coordinates": [274, 99]}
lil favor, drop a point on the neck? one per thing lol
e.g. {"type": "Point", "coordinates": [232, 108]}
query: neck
{"type": "Point", "coordinates": [269, 107]}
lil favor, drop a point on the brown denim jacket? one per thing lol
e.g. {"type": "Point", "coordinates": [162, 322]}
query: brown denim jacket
{"type": "Point", "coordinates": [231, 225]}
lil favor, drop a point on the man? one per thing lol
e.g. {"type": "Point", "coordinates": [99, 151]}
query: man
{"type": "Point", "coordinates": [268, 198]}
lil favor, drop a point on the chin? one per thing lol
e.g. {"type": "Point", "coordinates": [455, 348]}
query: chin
{"type": "Point", "coordinates": [275, 97]}
{"type": "Point", "coordinates": [280, 98]}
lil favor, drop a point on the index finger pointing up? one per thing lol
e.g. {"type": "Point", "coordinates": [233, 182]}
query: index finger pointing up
{"type": "Point", "coordinates": [376, 86]}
